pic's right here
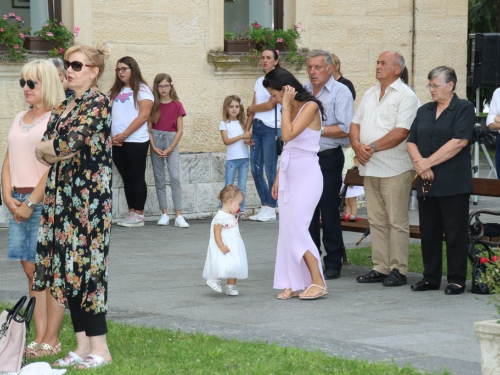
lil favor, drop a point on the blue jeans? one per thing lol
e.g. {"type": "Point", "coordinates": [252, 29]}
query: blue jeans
{"type": "Point", "coordinates": [263, 156]}
{"type": "Point", "coordinates": [240, 166]}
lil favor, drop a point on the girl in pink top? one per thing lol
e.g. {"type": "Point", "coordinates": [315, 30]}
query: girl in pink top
{"type": "Point", "coordinates": [165, 131]}
{"type": "Point", "coordinates": [23, 186]}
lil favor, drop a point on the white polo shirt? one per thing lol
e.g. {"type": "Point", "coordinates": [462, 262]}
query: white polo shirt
{"type": "Point", "coordinates": [376, 118]}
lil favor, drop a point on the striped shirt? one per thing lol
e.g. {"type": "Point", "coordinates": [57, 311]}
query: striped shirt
{"type": "Point", "coordinates": [397, 109]}
{"type": "Point", "coordinates": [338, 110]}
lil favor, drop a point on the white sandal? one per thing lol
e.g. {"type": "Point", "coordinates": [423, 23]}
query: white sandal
{"type": "Point", "coordinates": [324, 292]}
{"type": "Point", "coordinates": [92, 361]}
{"type": "Point", "coordinates": [70, 360]}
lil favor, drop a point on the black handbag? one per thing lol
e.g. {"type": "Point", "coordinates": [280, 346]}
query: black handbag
{"type": "Point", "coordinates": [475, 255]}
{"type": "Point", "coordinates": [279, 141]}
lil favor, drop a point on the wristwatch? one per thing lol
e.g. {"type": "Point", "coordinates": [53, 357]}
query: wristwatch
{"type": "Point", "coordinates": [374, 147]}
{"type": "Point", "coordinates": [322, 131]}
{"type": "Point", "coordinates": [30, 203]}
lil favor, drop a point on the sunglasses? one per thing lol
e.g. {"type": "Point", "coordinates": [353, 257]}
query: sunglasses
{"type": "Point", "coordinates": [426, 187]}
{"type": "Point", "coordinates": [75, 65]}
{"type": "Point", "coordinates": [30, 82]}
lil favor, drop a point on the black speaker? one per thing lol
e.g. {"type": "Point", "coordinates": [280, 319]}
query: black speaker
{"type": "Point", "coordinates": [483, 60]}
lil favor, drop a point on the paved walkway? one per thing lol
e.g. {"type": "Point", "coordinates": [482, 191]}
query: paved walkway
{"type": "Point", "coordinates": [155, 280]}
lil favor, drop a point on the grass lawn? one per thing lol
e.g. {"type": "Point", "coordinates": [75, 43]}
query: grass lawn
{"type": "Point", "coordinates": [362, 257]}
{"type": "Point", "coordinates": [150, 351]}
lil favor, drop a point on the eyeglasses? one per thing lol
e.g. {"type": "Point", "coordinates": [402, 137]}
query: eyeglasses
{"type": "Point", "coordinates": [75, 65]}
{"type": "Point", "coordinates": [123, 70]}
{"type": "Point", "coordinates": [163, 87]}
{"type": "Point", "coordinates": [426, 187]}
{"type": "Point", "coordinates": [434, 87]}
{"type": "Point", "coordinates": [30, 82]}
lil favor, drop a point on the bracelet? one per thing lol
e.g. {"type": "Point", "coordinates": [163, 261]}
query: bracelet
{"type": "Point", "coordinates": [125, 135]}
{"type": "Point", "coordinates": [30, 203]}
{"type": "Point", "coordinates": [286, 109]}
{"type": "Point", "coordinates": [241, 136]}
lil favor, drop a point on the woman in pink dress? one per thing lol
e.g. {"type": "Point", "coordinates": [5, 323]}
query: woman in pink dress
{"type": "Point", "coordinates": [297, 187]}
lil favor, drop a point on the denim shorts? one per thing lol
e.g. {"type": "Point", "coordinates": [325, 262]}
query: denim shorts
{"type": "Point", "coordinates": [23, 236]}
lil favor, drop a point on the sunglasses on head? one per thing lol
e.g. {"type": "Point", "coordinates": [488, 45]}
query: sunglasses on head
{"type": "Point", "coordinates": [75, 65]}
{"type": "Point", "coordinates": [30, 82]}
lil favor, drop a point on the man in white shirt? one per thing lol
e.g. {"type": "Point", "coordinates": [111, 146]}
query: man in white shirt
{"type": "Point", "coordinates": [378, 136]}
{"type": "Point", "coordinates": [493, 123]}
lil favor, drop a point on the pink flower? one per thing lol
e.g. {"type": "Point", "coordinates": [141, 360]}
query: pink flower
{"type": "Point", "coordinates": [76, 31]}
{"type": "Point", "coordinates": [5, 17]}
{"type": "Point", "coordinates": [494, 258]}
{"type": "Point", "coordinates": [254, 56]}
{"type": "Point", "coordinates": [18, 18]}
{"type": "Point", "coordinates": [1, 29]}
{"type": "Point", "coordinates": [279, 40]}
{"type": "Point", "coordinates": [16, 46]}
{"type": "Point", "coordinates": [278, 52]}
{"type": "Point", "coordinates": [12, 14]}
{"type": "Point", "coordinates": [61, 50]}
{"type": "Point", "coordinates": [21, 35]}
{"type": "Point", "coordinates": [484, 260]}
{"type": "Point", "coordinates": [256, 25]}
{"type": "Point", "coordinates": [60, 23]}
{"type": "Point", "coordinates": [49, 34]}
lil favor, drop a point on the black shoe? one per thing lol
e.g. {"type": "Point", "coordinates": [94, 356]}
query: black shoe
{"type": "Point", "coordinates": [395, 279]}
{"type": "Point", "coordinates": [331, 273]}
{"type": "Point", "coordinates": [423, 286]}
{"type": "Point", "coordinates": [453, 289]}
{"type": "Point", "coordinates": [371, 277]}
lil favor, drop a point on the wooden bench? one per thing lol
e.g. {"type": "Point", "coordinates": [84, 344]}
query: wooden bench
{"type": "Point", "coordinates": [480, 186]}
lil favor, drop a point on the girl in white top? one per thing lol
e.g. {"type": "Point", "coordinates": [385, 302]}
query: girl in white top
{"type": "Point", "coordinates": [226, 255]}
{"type": "Point", "coordinates": [351, 207]}
{"type": "Point", "coordinates": [234, 136]}
{"type": "Point", "coordinates": [132, 103]}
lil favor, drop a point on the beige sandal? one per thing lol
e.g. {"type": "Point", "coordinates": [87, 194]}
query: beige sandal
{"type": "Point", "coordinates": [31, 349]}
{"type": "Point", "coordinates": [324, 292]}
{"type": "Point", "coordinates": [284, 296]}
{"type": "Point", "coordinates": [47, 348]}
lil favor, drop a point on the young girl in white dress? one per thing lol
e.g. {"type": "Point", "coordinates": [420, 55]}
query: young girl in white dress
{"type": "Point", "coordinates": [226, 255]}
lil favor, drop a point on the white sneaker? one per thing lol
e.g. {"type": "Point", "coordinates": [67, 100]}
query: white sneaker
{"type": "Point", "coordinates": [269, 214]}
{"type": "Point", "coordinates": [132, 220]}
{"type": "Point", "coordinates": [163, 220]}
{"type": "Point", "coordinates": [260, 213]}
{"type": "Point", "coordinates": [232, 290]}
{"type": "Point", "coordinates": [180, 222]}
{"type": "Point", "coordinates": [130, 215]}
{"type": "Point", "coordinates": [214, 284]}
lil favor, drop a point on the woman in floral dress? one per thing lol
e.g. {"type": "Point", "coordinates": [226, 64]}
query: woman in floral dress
{"type": "Point", "coordinates": [73, 240]}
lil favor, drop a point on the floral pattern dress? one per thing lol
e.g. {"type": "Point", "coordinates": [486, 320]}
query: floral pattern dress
{"type": "Point", "coordinates": [75, 227]}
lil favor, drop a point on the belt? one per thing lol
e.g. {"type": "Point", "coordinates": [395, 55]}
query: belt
{"type": "Point", "coordinates": [329, 151]}
{"type": "Point", "coordinates": [23, 190]}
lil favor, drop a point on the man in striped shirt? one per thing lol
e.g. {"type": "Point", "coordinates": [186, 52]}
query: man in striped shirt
{"type": "Point", "coordinates": [378, 136]}
{"type": "Point", "coordinates": [339, 108]}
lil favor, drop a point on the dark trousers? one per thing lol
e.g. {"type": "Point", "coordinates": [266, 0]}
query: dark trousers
{"type": "Point", "coordinates": [130, 160]}
{"type": "Point", "coordinates": [86, 321]}
{"type": "Point", "coordinates": [331, 163]}
{"type": "Point", "coordinates": [449, 215]}
{"type": "Point", "coordinates": [497, 157]}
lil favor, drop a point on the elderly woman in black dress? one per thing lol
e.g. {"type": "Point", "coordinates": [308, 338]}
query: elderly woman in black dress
{"type": "Point", "coordinates": [439, 146]}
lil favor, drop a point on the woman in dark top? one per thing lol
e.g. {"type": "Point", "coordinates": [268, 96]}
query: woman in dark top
{"type": "Point", "coordinates": [439, 147]}
{"type": "Point", "coordinates": [337, 75]}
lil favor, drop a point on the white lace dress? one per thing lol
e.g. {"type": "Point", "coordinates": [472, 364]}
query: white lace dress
{"type": "Point", "coordinates": [233, 264]}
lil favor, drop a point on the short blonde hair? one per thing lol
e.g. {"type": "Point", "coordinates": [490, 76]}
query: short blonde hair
{"type": "Point", "coordinates": [46, 73]}
{"type": "Point", "coordinates": [336, 63]}
{"type": "Point", "coordinates": [96, 56]}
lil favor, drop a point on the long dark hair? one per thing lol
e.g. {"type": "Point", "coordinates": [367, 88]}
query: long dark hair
{"type": "Point", "coordinates": [135, 79]}
{"type": "Point", "coordinates": [279, 77]}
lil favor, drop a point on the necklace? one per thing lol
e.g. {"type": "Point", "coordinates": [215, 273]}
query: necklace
{"type": "Point", "coordinates": [26, 128]}
{"type": "Point", "coordinates": [34, 113]}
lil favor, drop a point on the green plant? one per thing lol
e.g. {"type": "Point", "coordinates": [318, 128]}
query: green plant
{"type": "Point", "coordinates": [12, 32]}
{"type": "Point", "coordinates": [55, 32]}
{"type": "Point", "coordinates": [268, 38]}
{"type": "Point", "coordinates": [491, 276]}
{"type": "Point", "coordinates": [228, 35]}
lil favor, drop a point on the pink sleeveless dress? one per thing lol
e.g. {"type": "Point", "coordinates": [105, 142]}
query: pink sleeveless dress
{"type": "Point", "coordinates": [300, 189]}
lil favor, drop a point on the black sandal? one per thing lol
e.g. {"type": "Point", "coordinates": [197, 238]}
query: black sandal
{"type": "Point", "coordinates": [371, 277]}
{"type": "Point", "coordinates": [395, 279]}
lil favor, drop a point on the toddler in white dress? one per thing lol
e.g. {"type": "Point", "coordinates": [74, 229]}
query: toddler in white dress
{"type": "Point", "coordinates": [226, 255]}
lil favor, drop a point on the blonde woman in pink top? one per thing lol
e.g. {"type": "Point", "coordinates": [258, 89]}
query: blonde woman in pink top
{"type": "Point", "coordinates": [23, 182]}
